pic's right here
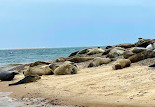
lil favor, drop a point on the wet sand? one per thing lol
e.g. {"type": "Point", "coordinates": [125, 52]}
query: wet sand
{"type": "Point", "coordinates": [6, 101]}
{"type": "Point", "coordinates": [94, 87]}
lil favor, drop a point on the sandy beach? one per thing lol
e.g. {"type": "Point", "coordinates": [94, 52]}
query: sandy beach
{"type": "Point", "coordinates": [94, 87]}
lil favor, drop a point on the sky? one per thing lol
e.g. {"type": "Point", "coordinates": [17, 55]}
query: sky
{"type": "Point", "coordinates": [74, 23]}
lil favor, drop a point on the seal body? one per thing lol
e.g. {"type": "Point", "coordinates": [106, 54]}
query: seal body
{"type": "Point", "coordinates": [142, 55]}
{"type": "Point", "coordinates": [95, 51]}
{"type": "Point", "coordinates": [99, 61]}
{"type": "Point", "coordinates": [62, 59]}
{"type": "Point", "coordinates": [66, 69]}
{"type": "Point", "coordinates": [27, 79]}
{"type": "Point", "coordinates": [116, 52]}
{"type": "Point", "coordinates": [7, 75]}
{"type": "Point", "coordinates": [121, 63]}
{"type": "Point", "coordinates": [80, 59]}
{"type": "Point", "coordinates": [38, 70]}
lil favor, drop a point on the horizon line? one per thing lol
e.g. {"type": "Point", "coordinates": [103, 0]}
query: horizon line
{"type": "Point", "coordinates": [46, 48]}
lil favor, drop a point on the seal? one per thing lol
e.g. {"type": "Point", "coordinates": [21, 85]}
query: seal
{"type": "Point", "coordinates": [66, 69]}
{"type": "Point", "coordinates": [142, 55]}
{"type": "Point", "coordinates": [73, 54]}
{"type": "Point", "coordinates": [143, 42]}
{"type": "Point", "coordinates": [127, 54]}
{"type": "Point", "coordinates": [39, 63]}
{"type": "Point", "coordinates": [99, 61]}
{"type": "Point", "coordinates": [95, 51]}
{"type": "Point", "coordinates": [121, 63]}
{"type": "Point", "coordinates": [27, 79]}
{"type": "Point", "coordinates": [80, 59]}
{"type": "Point", "coordinates": [38, 70]}
{"type": "Point", "coordinates": [116, 52]}
{"type": "Point", "coordinates": [62, 59]}
{"type": "Point", "coordinates": [7, 75]}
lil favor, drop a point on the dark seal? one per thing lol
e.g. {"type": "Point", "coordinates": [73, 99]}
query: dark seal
{"type": "Point", "coordinates": [152, 65]}
{"type": "Point", "coordinates": [27, 79]}
{"type": "Point", "coordinates": [7, 75]}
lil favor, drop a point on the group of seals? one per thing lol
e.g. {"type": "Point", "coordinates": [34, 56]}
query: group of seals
{"type": "Point", "coordinates": [131, 54]}
{"type": "Point", "coordinates": [9, 75]}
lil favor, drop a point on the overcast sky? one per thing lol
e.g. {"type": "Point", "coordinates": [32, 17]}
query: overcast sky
{"type": "Point", "coordinates": [74, 23]}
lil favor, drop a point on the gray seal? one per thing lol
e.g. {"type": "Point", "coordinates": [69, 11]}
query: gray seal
{"type": "Point", "coordinates": [27, 79]}
{"type": "Point", "coordinates": [7, 75]}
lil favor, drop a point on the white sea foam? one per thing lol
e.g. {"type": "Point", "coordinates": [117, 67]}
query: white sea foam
{"type": "Point", "coordinates": [6, 101]}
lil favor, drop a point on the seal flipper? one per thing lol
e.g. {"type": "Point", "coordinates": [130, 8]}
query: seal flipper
{"type": "Point", "coordinates": [13, 84]}
{"type": "Point", "coordinates": [152, 65]}
{"type": "Point", "coordinates": [25, 80]}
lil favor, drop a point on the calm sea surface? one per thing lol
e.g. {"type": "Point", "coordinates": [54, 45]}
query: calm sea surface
{"type": "Point", "coordinates": [21, 56]}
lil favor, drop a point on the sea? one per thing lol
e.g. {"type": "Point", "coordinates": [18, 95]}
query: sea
{"type": "Point", "coordinates": [13, 57]}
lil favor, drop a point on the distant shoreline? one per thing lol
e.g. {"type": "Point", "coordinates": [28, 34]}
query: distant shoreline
{"type": "Point", "coordinates": [23, 48]}
{"type": "Point", "coordinates": [49, 48]}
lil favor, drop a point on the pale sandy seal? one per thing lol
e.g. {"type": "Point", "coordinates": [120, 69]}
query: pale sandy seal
{"type": "Point", "coordinates": [121, 63]}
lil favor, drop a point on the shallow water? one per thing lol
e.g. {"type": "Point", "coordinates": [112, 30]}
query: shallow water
{"type": "Point", "coordinates": [6, 101]}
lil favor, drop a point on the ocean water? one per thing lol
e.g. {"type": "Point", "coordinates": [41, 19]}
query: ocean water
{"type": "Point", "coordinates": [8, 58]}
{"type": "Point", "coordinates": [22, 56]}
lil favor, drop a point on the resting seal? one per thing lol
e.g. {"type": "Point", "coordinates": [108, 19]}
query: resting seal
{"type": "Point", "coordinates": [38, 70]}
{"type": "Point", "coordinates": [27, 79]}
{"type": "Point", "coordinates": [80, 59]}
{"type": "Point", "coordinates": [142, 55]}
{"type": "Point", "coordinates": [62, 59]}
{"type": "Point", "coordinates": [66, 69]}
{"type": "Point", "coordinates": [121, 63]}
{"type": "Point", "coordinates": [99, 61]}
{"type": "Point", "coordinates": [7, 75]}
